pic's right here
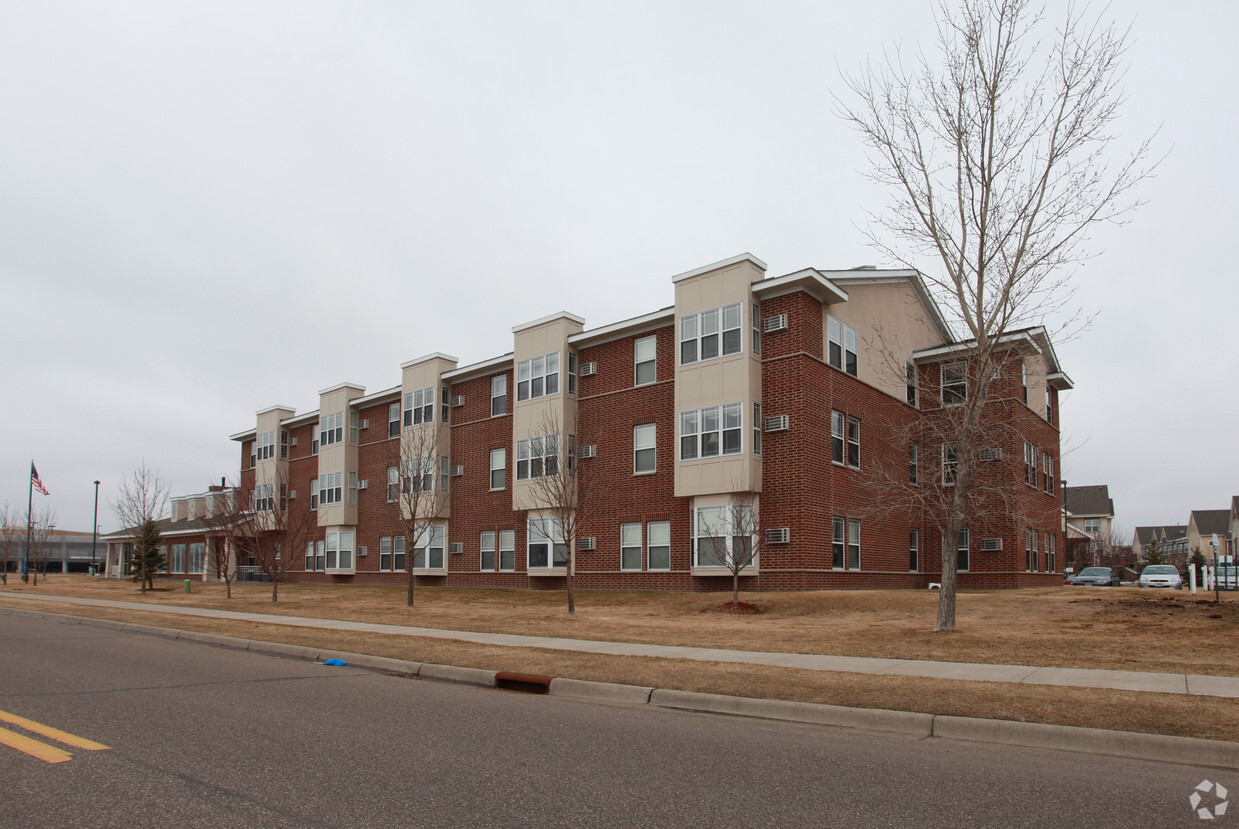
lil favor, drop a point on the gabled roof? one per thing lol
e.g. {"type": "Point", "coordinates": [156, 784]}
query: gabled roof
{"type": "Point", "coordinates": [1089, 500]}
{"type": "Point", "coordinates": [167, 527]}
{"type": "Point", "coordinates": [1209, 521]}
{"type": "Point", "coordinates": [1145, 534]}
{"type": "Point", "coordinates": [1035, 339]}
{"type": "Point", "coordinates": [1172, 532]}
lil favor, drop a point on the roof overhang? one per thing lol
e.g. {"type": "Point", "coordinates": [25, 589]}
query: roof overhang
{"type": "Point", "coordinates": [718, 266]}
{"type": "Point", "coordinates": [475, 369]}
{"type": "Point", "coordinates": [808, 280]}
{"type": "Point", "coordinates": [624, 328]}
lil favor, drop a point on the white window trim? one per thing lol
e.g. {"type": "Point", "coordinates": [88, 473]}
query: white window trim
{"type": "Point", "coordinates": [652, 447]}
{"type": "Point", "coordinates": [651, 360]}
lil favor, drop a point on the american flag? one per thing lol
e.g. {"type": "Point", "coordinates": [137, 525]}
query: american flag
{"type": "Point", "coordinates": [34, 479]}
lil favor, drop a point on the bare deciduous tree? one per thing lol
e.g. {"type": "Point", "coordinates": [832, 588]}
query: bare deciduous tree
{"type": "Point", "coordinates": [223, 516]}
{"type": "Point", "coordinates": [561, 492]}
{"type": "Point", "coordinates": [262, 526]}
{"type": "Point", "coordinates": [999, 162]}
{"type": "Point", "coordinates": [142, 499]}
{"type": "Point", "coordinates": [422, 492]}
{"type": "Point", "coordinates": [9, 530]}
{"type": "Point", "coordinates": [730, 536]}
{"type": "Point", "coordinates": [42, 525]}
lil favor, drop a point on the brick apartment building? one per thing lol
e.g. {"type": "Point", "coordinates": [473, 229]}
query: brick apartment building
{"type": "Point", "coordinates": [796, 397]}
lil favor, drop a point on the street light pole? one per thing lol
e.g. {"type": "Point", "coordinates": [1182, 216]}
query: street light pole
{"type": "Point", "coordinates": [94, 530]}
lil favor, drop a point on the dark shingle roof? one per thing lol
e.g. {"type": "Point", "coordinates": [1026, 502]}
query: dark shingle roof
{"type": "Point", "coordinates": [1089, 500]}
{"type": "Point", "coordinates": [1145, 534]}
{"type": "Point", "coordinates": [1209, 521]}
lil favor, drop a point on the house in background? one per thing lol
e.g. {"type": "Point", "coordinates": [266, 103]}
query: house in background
{"type": "Point", "coordinates": [1203, 525]}
{"type": "Point", "coordinates": [1170, 538]}
{"type": "Point", "coordinates": [190, 539]}
{"type": "Point", "coordinates": [1088, 523]}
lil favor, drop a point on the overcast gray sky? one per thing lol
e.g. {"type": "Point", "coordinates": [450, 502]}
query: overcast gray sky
{"type": "Point", "coordinates": [207, 208]}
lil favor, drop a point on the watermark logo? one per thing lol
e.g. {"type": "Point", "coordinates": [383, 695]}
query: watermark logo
{"type": "Point", "coordinates": [1219, 798]}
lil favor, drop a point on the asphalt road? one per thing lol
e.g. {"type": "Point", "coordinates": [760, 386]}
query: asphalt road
{"type": "Point", "coordinates": [201, 736]}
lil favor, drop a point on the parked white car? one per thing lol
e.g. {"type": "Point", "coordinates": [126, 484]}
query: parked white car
{"type": "Point", "coordinates": [1161, 575]}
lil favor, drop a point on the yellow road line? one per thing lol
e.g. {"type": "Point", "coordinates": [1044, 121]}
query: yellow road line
{"type": "Point", "coordinates": [43, 751]}
{"type": "Point", "coordinates": [52, 733]}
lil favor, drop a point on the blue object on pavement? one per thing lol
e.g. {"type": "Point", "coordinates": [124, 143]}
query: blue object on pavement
{"type": "Point", "coordinates": [335, 663]}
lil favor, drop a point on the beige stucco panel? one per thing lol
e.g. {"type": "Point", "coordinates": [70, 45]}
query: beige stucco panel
{"type": "Point", "coordinates": [890, 324]}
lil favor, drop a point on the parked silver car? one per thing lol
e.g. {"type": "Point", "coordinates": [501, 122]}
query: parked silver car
{"type": "Point", "coordinates": [1161, 575]}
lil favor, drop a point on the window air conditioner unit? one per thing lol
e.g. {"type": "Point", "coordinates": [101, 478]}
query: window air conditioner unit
{"type": "Point", "coordinates": [458, 470]}
{"type": "Point", "coordinates": [991, 544]}
{"type": "Point", "coordinates": [364, 423]}
{"type": "Point", "coordinates": [292, 441]}
{"type": "Point", "coordinates": [363, 484]}
{"type": "Point", "coordinates": [991, 454]}
{"type": "Point", "coordinates": [292, 493]}
{"type": "Point", "coordinates": [778, 535]}
{"type": "Point", "coordinates": [776, 423]}
{"type": "Point", "coordinates": [587, 451]}
{"type": "Point", "coordinates": [588, 369]}
{"type": "Point", "coordinates": [776, 323]}
{"type": "Point", "coordinates": [587, 543]}
{"type": "Point", "coordinates": [458, 400]}
{"type": "Point", "coordinates": [456, 547]}
{"type": "Point", "coordinates": [362, 551]}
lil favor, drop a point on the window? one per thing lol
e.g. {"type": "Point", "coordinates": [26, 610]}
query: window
{"type": "Point", "coordinates": [1049, 405]}
{"type": "Point", "coordinates": [1047, 473]}
{"type": "Point", "coordinates": [1033, 562]}
{"type": "Point", "coordinates": [391, 554]}
{"type": "Point", "coordinates": [546, 545]}
{"type": "Point", "coordinates": [393, 484]}
{"type": "Point", "coordinates": [284, 443]}
{"type": "Point", "coordinates": [643, 448]}
{"type": "Point", "coordinates": [710, 432]}
{"type": "Point", "coordinates": [757, 426]}
{"type": "Point", "coordinates": [488, 550]}
{"type": "Point", "coordinates": [644, 354]}
{"type": "Point", "coordinates": [419, 406]}
{"type": "Point", "coordinates": [320, 555]}
{"type": "Point", "coordinates": [950, 464]}
{"type": "Point", "coordinates": [1024, 381]}
{"type": "Point", "coordinates": [445, 404]}
{"type": "Point", "coordinates": [708, 334]}
{"type": "Point", "coordinates": [354, 426]}
{"type": "Point", "coordinates": [339, 550]}
{"type": "Point", "coordinates": [1051, 553]}
{"type": "Point", "coordinates": [314, 442]}
{"type": "Point", "coordinates": [352, 487]}
{"type": "Point", "coordinates": [720, 535]}
{"type": "Point", "coordinates": [841, 345]}
{"type": "Point", "coordinates": [658, 535]}
{"type": "Point", "coordinates": [537, 457]}
{"type": "Point", "coordinates": [314, 493]}
{"type": "Point", "coordinates": [445, 474]}
{"type": "Point", "coordinates": [954, 383]}
{"type": "Point", "coordinates": [630, 546]}
{"type": "Point", "coordinates": [264, 448]}
{"type": "Point", "coordinates": [914, 549]}
{"type": "Point", "coordinates": [1092, 526]}
{"type": "Point", "coordinates": [909, 372]}
{"type": "Point", "coordinates": [537, 376]}
{"type": "Point", "coordinates": [507, 550]}
{"type": "Point", "coordinates": [854, 442]}
{"type": "Point", "coordinates": [331, 429]}
{"type": "Point", "coordinates": [853, 543]}
{"type": "Point", "coordinates": [428, 549]}
{"type": "Point", "coordinates": [176, 560]}
{"type": "Point", "coordinates": [263, 499]}
{"type": "Point", "coordinates": [1029, 565]}
{"type": "Point", "coordinates": [197, 558]}
{"type": "Point", "coordinates": [498, 467]}
{"type": "Point", "coordinates": [331, 488]}
{"type": "Point", "coordinates": [572, 372]}
{"type": "Point", "coordinates": [498, 394]}
{"type": "Point", "coordinates": [1030, 464]}
{"type": "Point", "coordinates": [309, 556]}
{"type": "Point", "coordinates": [393, 420]}
{"type": "Point", "coordinates": [913, 461]}
{"type": "Point", "coordinates": [838, 436]}
{"type": "Point", "coordinates": [418, 474]}
{"type": "Point", "coordinates": [961, 551]}
{"type": "Point", "coordinates": [838, 542]}
{"type": "Point", "coordinates": [756, 329]}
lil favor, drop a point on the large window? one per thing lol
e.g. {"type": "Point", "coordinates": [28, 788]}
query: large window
{"type": "Point", "coordinates": [644, 356]}
{"type": "Point", "coordinates": [630, 546]}
{"type": "Point", "coordinates": [176, 558]}
{"type": "Point", "coordinates": [418, 474]}
{"type": "Point", "coordinates": [197, 558]}
{"type": "Point", "coordinates": [264, 446]}
{"type": "Point", "coordinates": [419, 406]}
{"type": "Point", "coordinates": [546, 545]}
{"type": "Point", "coordinates": [428, 549]}
{"type": "Point", "coordinates": [1092, 526]}
{"type": "Point", "coordinates": [841, 345]}
{"type": "Point", "coordinates": [339, 551]}
{"type": "Point", "coordinates": [954, 383]}
{"type": "Point", "coordinates": [845, 439]}
{"type": "Point", "coordinates": [658, 537]}
{"type": "Point", "coordinates": [506, 553]}
{"type": "Point", "coordinates": [722, 534]}
{"type": "Point", "coordinates": [498, 468]}
{"type": "Point", "coordinates": [331, 429]}
{"type": "Point", "coordinates": [643, 448]}
{"type": "Point", "coordinates": [537, 457]}
{"type": "Point", "coordinates": [845, 543]}
{"type": "Point", "coordinates": [391, 554]}
{"type": "Point", "coordinates": [709, 334]}
{"type": "Point", "coordinates": [499, 394]}
{"type": "Point", "coordinates": [537, 376]}
{"type": "Point", "coordinates": [710, 432]}
{"type": "Point", "coordinates": [331, 488]}
{"type": "Point", "coordinates": [263, 498]}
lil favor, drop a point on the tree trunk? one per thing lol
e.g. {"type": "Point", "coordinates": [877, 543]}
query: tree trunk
{"type": "Point", "coordinates": [408, 563]}
{"type": "Point", "coordinates": [735, 587]}
{"type": "Point", "coordinates": [275, 589]}
{"type": "Point", "coordinates": [571, 594]}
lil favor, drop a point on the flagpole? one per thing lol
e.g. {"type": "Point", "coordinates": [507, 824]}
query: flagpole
{"type": "Point", "coordinates": [29, 523]}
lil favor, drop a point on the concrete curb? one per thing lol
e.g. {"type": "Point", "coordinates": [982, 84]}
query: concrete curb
{"type": "Point", "coordinates": [1128, 744]}
{"type": "Point", "coordinates": [869, 719]}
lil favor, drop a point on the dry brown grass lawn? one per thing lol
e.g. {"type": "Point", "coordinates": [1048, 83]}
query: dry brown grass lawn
{"type": "Point", "coordinates": [1122, 628]}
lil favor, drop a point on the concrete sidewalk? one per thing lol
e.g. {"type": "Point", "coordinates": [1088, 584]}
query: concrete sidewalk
{"type": "Point", "coordinates": [1218, 686]}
